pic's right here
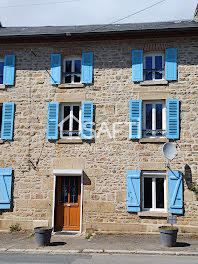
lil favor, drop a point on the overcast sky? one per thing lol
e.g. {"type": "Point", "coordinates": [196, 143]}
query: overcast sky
{"type": "Point", "coordinates": [81, 12]}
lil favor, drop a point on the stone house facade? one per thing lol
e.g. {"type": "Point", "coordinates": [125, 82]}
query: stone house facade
{"type": "Point", "coordinates": [84, 117]}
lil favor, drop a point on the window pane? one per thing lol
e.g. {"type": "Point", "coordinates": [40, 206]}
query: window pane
{"type": "Point", "coordinates": [73, 189]}
{"type": "Point", "coordinates": [77, 66]}
{"type": "Point", "coordinates": [68, 64]}
{"type": "Point", "coordinates": [64, 189]}
{"type": "Point", "coordinates": [66, 123]}
{"type": "Point", "coordinates": [0, 116]}
{"type": "Point", "coordinates": [1, 72]}
{"type": "Point", "coordinates": [76, 120]}
{"type": "Point", "coordinates": [158, 116]}
{"type": "Point", "coordinates": [159, 192]}
{"type": "Point", "coordinates": [68, 79]}
{"type": "Point", "coordinates": [148, 65]}
{"type": "Point", "coordinates": [158, 75]}
{"type": "Point", "coordinates": [148, 116]}
{"type": "Point", "coordinates": [1, 67]}
{"type": "Point", "coordinates": [158, 66]}
{"type": "Point", "coordinates": [158, 62]}
{"type": "Point", "coordinates": [147, 192]}
{"type": "Point", "coordinates": [76, 78]}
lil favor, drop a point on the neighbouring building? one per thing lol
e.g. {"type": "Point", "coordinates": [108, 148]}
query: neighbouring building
{"type": "Point", "coordinates": [85, 112]}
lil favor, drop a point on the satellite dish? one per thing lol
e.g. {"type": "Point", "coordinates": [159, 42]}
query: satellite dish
{"type": "Point", "coordinates": [169, 151]}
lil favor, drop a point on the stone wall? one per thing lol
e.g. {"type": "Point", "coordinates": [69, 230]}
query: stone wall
{"type": "Point", "coordinates": [105, 161]}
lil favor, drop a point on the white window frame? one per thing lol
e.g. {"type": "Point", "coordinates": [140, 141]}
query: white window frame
{"type": "Point", "coordinates": [73, 58]}
{"type": "Point", "coordinates": [70, 119]}
{"type": "Point", "coordinates": [154, 175]}
{"type": "Point", "coordinates": [153, 54]}
{"type": "Point", "coordinates": [154, 102]}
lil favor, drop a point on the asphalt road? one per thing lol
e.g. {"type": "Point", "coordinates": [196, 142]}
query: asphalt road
{"type": "Point", "coordinates": [94, 259]}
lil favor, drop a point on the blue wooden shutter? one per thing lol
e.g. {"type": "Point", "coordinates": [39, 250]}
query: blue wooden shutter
{"type": "Point", "coordinates": [133, 190]}
{"type": "Point", "coordinates": [137, 65]}
{"type": "Point", "coordinates": [175, 188]}
{"type": "Point", "coordinates": [52, 120]}
{"type": "Point", "coordinates": [135, 119]}
{"type": "Point", "coordinates": [55, 68]}
{"type": "Point", "coordinates": [173, 118]}
{"type": "Point", "coordinates": [9, 70]}
{"type": "Point", "coordinates": [7, 121]}
{"type": "Point", "coordinates": [171, 64]}
{"type": "Point", "coordinates": [5, 188]}
{"type": "Point", "coordinates": [87, 120]}
{"type": "Point", "coordinates": [87, 67]}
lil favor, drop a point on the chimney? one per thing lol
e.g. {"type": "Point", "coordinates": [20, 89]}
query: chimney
{"type": "Point", "coordinates": [196, 14]}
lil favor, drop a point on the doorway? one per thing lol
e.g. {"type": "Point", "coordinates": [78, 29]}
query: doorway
{"type": "Point", "coordinates": [67, 203]}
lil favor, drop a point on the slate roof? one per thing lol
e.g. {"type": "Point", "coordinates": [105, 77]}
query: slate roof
{"type": "Point", "coordinates": [97, 29]}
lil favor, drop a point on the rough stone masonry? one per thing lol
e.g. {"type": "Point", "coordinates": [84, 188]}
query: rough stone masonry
{"type": "Point", "coordinates": [105, 161]}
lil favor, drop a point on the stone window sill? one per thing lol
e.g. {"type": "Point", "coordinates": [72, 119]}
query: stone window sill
{"type": "Point", "coordinates": [153, 214]}
{"type": "Point", "coordinates": [71, 85]}
{"type": "Point", "coordinates": [2, 86]}
{"type": "Point", "coordinates": [152, 83]}
{"type": "Point", "coordinates": [1, 141]}
{"type": "Point", "coordinates": [69, 141]}
{"type": "Point", "coordinates": [153, 140]}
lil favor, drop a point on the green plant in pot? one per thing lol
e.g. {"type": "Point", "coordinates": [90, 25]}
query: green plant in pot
{"type": "Point", "coordinates": [43, 235]}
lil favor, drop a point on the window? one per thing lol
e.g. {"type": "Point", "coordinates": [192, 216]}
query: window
{"type": "Point", "coordinates": [153, 191]}
{"type": "Point", "coordinates": [1, 70]}
{"type": "Point", "coordinates": [71, 121]}
{"type": "Point", "coordinates": [1, 112]}
{"type": "Point", "coordinates": [72, 70]}
{"type": "Point", "coordinates": [147, 191]}
{"type": "Point", "coordinates": [153, 66]}
{"type": "Point", "coordinates": [154, 119]}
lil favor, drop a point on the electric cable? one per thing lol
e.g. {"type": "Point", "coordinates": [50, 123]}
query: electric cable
{"type": "Point", "coordinates": [48, 3]}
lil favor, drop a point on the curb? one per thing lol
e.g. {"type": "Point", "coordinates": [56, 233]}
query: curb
{"type": "Point", "coordinates": [99, 251]}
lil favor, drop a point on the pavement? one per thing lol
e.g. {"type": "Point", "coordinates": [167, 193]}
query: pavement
{"type": "Point", "coordinates": [70, 243]}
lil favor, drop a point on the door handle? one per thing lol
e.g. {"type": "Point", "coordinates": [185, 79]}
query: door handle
{"type": "Point", "coordinates": [60, 202]}
{"type": "Point", "coordinates": [69, 205]}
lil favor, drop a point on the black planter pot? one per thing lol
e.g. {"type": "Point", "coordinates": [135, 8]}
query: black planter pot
{"type": "Point", "coordinates": [43, 235]}
{"type": "Point", "coordinates": [168, 236]}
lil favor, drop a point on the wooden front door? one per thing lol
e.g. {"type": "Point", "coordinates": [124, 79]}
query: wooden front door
{"type": "Point", "coordinates": [68, 197]}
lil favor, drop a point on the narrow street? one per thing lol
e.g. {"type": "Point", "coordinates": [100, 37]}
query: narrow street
{"type": "Point", "coordinates": [94, 259]}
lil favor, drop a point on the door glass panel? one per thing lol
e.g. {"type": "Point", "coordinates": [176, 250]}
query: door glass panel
{"type": "Point", "coordinates": [159, 192]}
{"type": "Point", "coordinates": [147, 192]}
{"type": "Point", "coordinates": [74, 190]}
{"type": "Point", "coordinates": [76, 121]}
{"type": "Point", "coordinates": [64, 189]}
